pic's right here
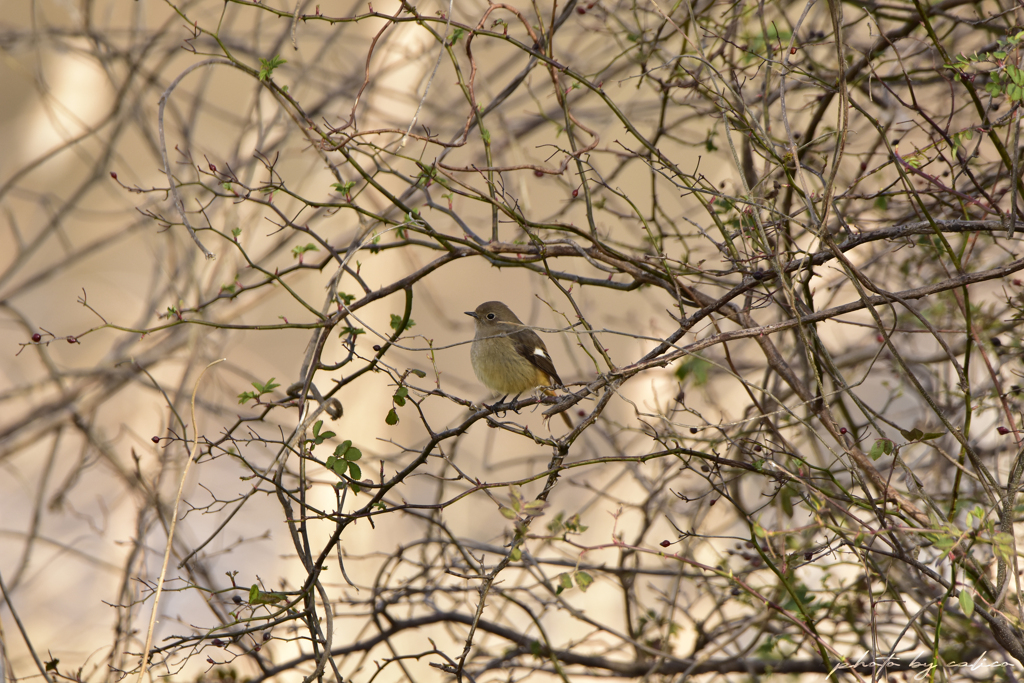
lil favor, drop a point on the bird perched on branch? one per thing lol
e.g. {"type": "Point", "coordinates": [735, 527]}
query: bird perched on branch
{"type": "Point", "coordinates": [508, 357]}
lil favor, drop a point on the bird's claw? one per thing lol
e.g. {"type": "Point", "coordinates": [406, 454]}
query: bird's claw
{"type": "Point", "coordinates": [500, 406]}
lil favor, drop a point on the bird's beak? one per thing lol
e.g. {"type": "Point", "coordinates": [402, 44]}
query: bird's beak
{"type": "Point", "coordinates": [472, 314]}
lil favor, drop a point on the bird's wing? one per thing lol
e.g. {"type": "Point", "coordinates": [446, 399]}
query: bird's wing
{"type": "Point", "coordinates": [529, 345]}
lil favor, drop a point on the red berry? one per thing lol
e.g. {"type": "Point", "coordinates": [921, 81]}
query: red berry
{"type": "Point", "coordinates": [842, 430]}
{"type": "Point", "coordinates": [72, 340]}
{"type": "Point", "coordinates": [113, 175]}
{"type": "Point", "coordinates": [666, 543]}
{"type": "Point", "coordinates": [213, 168]}
{"type": "Point", "coordinates": [880, 339]}
{"type": "Point", "coordinates": [539, 174]}
{"type": "Point", "coordinates": [155, 439]}
{"type": "Point", "coordinates": [37, 337]}
{"type": "Point", "coordinates": [1002, 430]}
{"type": "Point", "coordinates": [575, 193]}
{"type": "Point", "coordinates": [581, 10]}
{"type": "Point", "coordinates": [713, 502]}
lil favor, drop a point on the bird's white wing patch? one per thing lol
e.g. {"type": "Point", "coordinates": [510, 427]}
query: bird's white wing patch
{"type": "Point", "coordinates": [540, 352]}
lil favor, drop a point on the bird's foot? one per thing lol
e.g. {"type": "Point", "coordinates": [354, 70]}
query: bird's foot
{"type": "Point", "coordinates": [511, 404]}
{"type": "Point", "coordinates": [498, 406]}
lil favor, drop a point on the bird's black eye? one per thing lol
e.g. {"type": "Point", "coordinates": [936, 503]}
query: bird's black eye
{"type": "Point", "coordinates": [490, 316]}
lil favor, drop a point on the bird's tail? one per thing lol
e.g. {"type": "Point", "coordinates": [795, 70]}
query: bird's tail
{"type": "Point", "coordinates": [564, 415]}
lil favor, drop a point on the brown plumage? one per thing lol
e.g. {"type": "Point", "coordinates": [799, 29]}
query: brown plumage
{"type": "Point", "coordinates": [507, 356]}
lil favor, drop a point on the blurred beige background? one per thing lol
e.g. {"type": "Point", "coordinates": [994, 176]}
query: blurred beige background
{"type": "Point", "coordinates": [80, 477]}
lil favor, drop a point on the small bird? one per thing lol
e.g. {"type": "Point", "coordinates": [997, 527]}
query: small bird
{"type": "Point", "coordinates": [508, 357]}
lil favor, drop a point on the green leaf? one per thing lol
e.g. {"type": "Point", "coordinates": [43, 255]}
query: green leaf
{"type": "Point", "coordinates": [516, 554]}
{"type": "Point", "coordinates": [709, 142]}
{"type": "Point", "coordinates": [583, 580]}
{"type": "Point", "coordinates": [392, 418]}
{"type": "Point", "coordinates": [694, 367]}
{"type": "Point", "coordinates": [507, 513]}
{"type": "Point", "coordinates": [564, 580]}
{"type": "Point", "coordinates": [401, 395]}
{"type": "Point", "coordinates": [266, 388]}
{"type": "Point", "coordinates": [966, 602]}
{"type": "Point", "coordinates": [354, 471]}
{"type": "Point", "coordinates": [978, 512]}
{"type": "Point", "coordinates": [345, 187]}
{"type": "Point", "coordinates": [270, 598]}
{"type": "Point", "coordinates": [913, 435]}
{"type": "Point", "coordinates": [267, 66]}
{"type": "Point", "coordinates": [396, 323]}
{"type": "Point", "coordinates": [877, 449]}
{"type": "Point", "coordinates": [535, 507]}
{"type": "Point", "coordinates": [1002, 546]}
{"type": "Point", "coordinates": [298, 251]}
{"type": "Point", "coordinates": [786, 499]}
{"type": "Point", "coordinates": [319, 438]}
{"type": "Point", "coordinates": [418, 373]}
{"type": "Point", "coordinates": [942, 542]}
{"type": "Point", "coordinates": [353, 454]}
